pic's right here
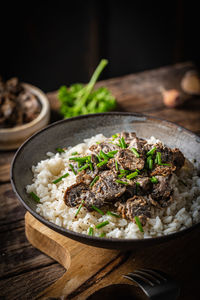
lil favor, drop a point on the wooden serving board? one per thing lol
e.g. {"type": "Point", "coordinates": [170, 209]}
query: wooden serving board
{"type": "Point", "coordinates": [89, 269]}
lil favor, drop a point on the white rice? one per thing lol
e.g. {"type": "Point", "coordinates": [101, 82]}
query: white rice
{"type": "Point", "coordinates": [182, 213]}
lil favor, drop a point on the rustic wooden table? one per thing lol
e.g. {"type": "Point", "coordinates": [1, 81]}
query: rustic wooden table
{"type": "Point", "coordinates": [25, 272]}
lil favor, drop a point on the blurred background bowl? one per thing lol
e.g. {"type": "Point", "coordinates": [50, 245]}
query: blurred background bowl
{"type": "Point", "coordinates": [12, 138]}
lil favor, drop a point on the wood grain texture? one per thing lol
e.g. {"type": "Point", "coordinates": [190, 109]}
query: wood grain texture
{"type": "Point", "coordinates": [25, 272]}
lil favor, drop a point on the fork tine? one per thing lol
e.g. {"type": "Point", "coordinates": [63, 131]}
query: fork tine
{"type": "Point", "coordinates": [154, 279]}
{"type": "Point", "coordinates": [139, 279]}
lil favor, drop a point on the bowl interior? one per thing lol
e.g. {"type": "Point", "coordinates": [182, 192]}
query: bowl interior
{"type": "Point", "coordinates": [73, 131]}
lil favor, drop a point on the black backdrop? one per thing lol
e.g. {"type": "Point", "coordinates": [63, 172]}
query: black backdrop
{"type": "Point", "coordinates": [50, 44]}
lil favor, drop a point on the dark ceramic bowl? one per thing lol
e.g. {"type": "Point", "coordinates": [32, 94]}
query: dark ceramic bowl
{"type": "Point", "coordinates": [71, 132]}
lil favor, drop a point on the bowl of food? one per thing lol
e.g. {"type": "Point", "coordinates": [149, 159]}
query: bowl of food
{"type": "Point", "coordinates": [24, 109]}
{"type": "Point", "coordinates": [112, 180]}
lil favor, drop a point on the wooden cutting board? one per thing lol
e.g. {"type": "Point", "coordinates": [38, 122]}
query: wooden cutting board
{"type": "Point", "coordinates": [97, 268]}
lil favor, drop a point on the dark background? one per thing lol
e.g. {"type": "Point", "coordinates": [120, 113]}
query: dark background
{"type": "Point", "coordinates": [53, 44]}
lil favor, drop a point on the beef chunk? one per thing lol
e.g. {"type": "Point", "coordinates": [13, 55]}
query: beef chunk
{"type": "Point", "coordinates": [145, 185]}
{"type": "Point", "coordinates": [178, 158]}
{"type": "Point", "coordinates": [127, 160]}
{"type": "Point", "coordinates": [162, 192]}
{"type": "Point", "coordinates": [163, 170]}
{"type": "Point", "coordinates": [106, 188]}
{"type": "Point", "coordinates": [135, 206]}
{"type": "Point", "coordinates": [104, 146]}
{"type": "Point", "coordinates": [173, 156]}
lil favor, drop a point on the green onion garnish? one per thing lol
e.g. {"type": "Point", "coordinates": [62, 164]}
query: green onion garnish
{"type": "Point", "coordinates": [79, 208]}
{"type": "Point", "coordinates": [116, 166]}
{"type": "Point", "coordinates": [83, 167]}
{"type": "Point", "coordinates": [103, 155]}
{"type": "Point", "coordinates": [102, 224]}
{"type": "Point", "coordinates": [150, 165]}
{"type": "Point", "coordinates": [169, 165]}
{"type": "Point", "coordinates": [111, 154]}
{"type": "Point", "coordinates": [91, 231]}
{"type": "Point", "coordinates": [132, 175]}
{"type": "Point", "coordinates": [153, 179]}
{"type": "Point", "coordinates": [114, 136]}
{"type": "Point", "coordinates": [94, 180]}
{"type": "Point", "coordinates": [35, 197]}
{"type": "Point", "coordinates": [109, 213]}
{"type": "Point", "coordinates": [137, 221]}
{"type": "Point", "coordinates": [75, 153]}
{"type": "Point", "coordinates": [60, 178]}
{"type": "Point", "coordinates": [121, 175]}
{"type": "Point", "coordinates": [97, 143]}
{"type": "Point", "coordinates": [137, 185]}
{"type": "Point", "coordinates": [158, 155]}
{"type": "Point", "coordinates": [151, 152]}
{"type": "Point", "coordinates": [80, 159]}
{"type": "Point", "coordinates": [122, 171]}
{"type": "Point", "coordinates": [104, 162]}
{"type": "Point", "coordinates": [91, 166]}
{"type": "Point", "coordinates": [122, 143]}
{"type": "Point", "coordinates": [122, 182]}
{"type": "Point", "coordinates": [135, 152]}
{"type": "Point", "coordinates": [103, 234]}
{"type": "Point", "coordinates": [98, 210]}
{"type": "Point", "coordinates": [60, 150]}
{"type": "Point", "coordinates": [99, 158]}
{"type": "Point", "coordinates": [72, 168]}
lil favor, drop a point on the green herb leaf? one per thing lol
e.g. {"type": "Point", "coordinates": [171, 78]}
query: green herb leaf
{"type": "Point", "coordinates": [98, 210]}
{"type": "Point", "coordinates": [60, 178]}
{"type": "Point", "coordinates": [102, 224]}
{"type": "Point", "coordinates": [137, 221]}
{"type": "Point", "coordinates": [35, 197]}
{"type": "Point", "coordinates": [94, 181]}
{"type": "Point", "coordinates": [134, 150]}
{"type": "Point", "coordinates": [109, 213]}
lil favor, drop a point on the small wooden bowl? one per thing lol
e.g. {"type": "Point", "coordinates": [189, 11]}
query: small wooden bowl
{"type": "Point", "coordinates": [12, 138]}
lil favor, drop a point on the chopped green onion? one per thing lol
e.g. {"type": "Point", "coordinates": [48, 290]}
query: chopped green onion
{"type": "Point", "coordinates": [79, 208]}
{"type": "Point", "coordinates": [151, 152]}
{"type": "Point", "coordinates": [35, 197]}
{"type": "Point", "coordinates": [137, 221]}
{"type": "Point", "coordinates": [111, 154]}
{"type": "Point", "coordinates": [103, 234]}
{"type": "Point", "coordinates": [91, 166]}
{"type": "Point", "coordinates": [122, 182]}
{"type": "Point", "coordinates": [99, 158]}
{"type": "Point", "coordinates": [158, 155]}
{"type": "Point", "coordinates": [121, 175]}
{"type": "Point", "coordinates": [60, 178]}
{"type": "Point", "coordinates": [109, 213]}
{"type": "Point", "coordinates": [114, 136]}
{"type": "Point", "coordinates": [116, 166]}
{"type": "Point", "coordinates": [75, 153]}
{"type": "Point", "coordinates": [72, 168]}
{"type": "Point", "coordinates": [102, 224]}
{"type": "Point", "coordinates": [132, 175]}
{"type": "Point", "coordinates": [104, 162]}
{"type": "Point", "coordinates": [83, 167]}
{"type": "Point", "coordinates": [103, 155]}
{"type": "Point", "coordinates": [135, 152]}
{"type": "Point", "coordinates": [169, 165]}
{"type": "Point", "coordinates": [122, 143]}
{"type": "Point", "coordinates": [98, 210]}
{"type": "Point", "coordinates": [60, 150]}
{"type": "Point", "coordinates": [94, 180]}
{"type": "Point", "coordinates": [123, 171]}
{"type": "Point", "coordinates": [80, 159]}
{"type": "Point", "coordinates": [97, 143]}
{"type": "Point", "coordinates": [91, 231]}
{"type": "Point", "coordinates": [150, 165]}
{"type": "Point", "coordinates": [153, 179]}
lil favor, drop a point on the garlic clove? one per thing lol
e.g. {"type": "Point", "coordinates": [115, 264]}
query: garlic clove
{"type": "Point", "coordinates": [172, 98]}
{"type": "Point", "coordinates": [190, 83]}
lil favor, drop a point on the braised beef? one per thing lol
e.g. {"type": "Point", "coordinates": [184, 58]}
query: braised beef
{"type": "Point", "coordinates": [128, 161]}
{"type": "Point", "coordinates": [135, 206]}
{"type": "Point", "coordinates": [112, 186]}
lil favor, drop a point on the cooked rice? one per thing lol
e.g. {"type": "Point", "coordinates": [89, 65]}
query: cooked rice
{"type": "Point", "coordinates": [182, 213]}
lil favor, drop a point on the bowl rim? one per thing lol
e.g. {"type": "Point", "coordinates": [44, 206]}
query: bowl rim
{"type": "Point", "coordinates": [45, 108]}
{"type": "Point", "coordinates": [81, 236]}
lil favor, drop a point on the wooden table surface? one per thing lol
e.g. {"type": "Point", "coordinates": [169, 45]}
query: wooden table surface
{"type": "Point", "coordinates": [25, 272]}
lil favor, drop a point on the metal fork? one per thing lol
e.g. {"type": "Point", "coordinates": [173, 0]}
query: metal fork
{"type": "Point", "coordinates": [156, 284]}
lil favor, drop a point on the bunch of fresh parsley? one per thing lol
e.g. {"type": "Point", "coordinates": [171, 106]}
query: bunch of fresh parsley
{"type": "Point", "coordinates": [81, 99]}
